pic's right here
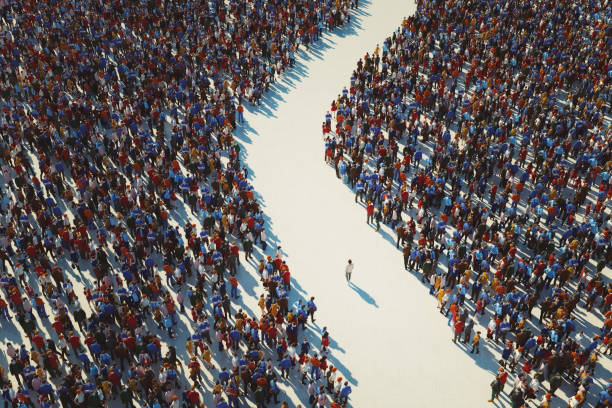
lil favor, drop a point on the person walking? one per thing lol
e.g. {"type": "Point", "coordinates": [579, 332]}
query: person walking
{"type": "Point", "coordinates": [467, 332]}
{"type": "Point", "coordinates": [370, 212]}
{"type": "Point", "coordinates": [497, 386]}
{"type": "Point", "coordinates": [554, 382]}
{"type": "Point", "coordinates": [459, 326]}
{"type": "Point", "coordinates": [476, 343]}
{"type": "Point", "coordinates": [348, 271]}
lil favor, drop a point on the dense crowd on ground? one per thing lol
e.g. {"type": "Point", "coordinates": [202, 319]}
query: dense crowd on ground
{"type": "Point", "coordinates": [480, 133]}
{"type": "Point", "coordinates": [126, 210]}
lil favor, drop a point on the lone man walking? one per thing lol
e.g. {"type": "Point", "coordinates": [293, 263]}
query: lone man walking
{"type": "Point", "coordinates": [349, 270]}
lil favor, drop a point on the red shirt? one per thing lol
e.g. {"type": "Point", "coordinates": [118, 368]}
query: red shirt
{"type": "Point", "coordinates": [286, 277]}
{"type": "Point", "coordinates": [459, 326]}
{"type": "Point", "coordinates": [193, 397]}
{"type": "Point", "coordinates": [15, 298]}
{"type": "Point", "coordinates": [370, 209]}
{"type": "Point", "coordinates": [38, 341]}
{"type": "Point", "coordinates": [74, 341]}
{"type": "Point", "coordinates": [31, 251]}
{"type": "Point", "coordinates": [58, 326]}
{"type": "Point", "coordinates": [130, 342]}
{"type": "Point", "coordinates": [132, 322]}
{"type": "Point", "coordinates": [53, 362]}
{"type": "Point", "coordinates": [114, 378]}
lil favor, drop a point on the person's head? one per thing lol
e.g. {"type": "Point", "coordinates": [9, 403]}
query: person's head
{"type": "Point", "coordinates": [350, 261]}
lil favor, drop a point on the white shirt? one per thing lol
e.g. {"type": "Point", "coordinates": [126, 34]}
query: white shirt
{"type": "Point", "coordinates": [579, 337]}
{"type": "Point", "coordinates": [535, 385]}
{"type": "Point", "coordinates": [349, 268]}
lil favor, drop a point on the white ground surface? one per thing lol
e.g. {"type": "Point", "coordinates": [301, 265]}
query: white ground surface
{"type": "Point", "coordinates": [393, 340]}
{"type": "Point", "coordinates": [393, 344]}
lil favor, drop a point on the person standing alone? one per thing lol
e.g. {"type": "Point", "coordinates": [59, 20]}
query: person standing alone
{"type": "Point", "coordinates": [348, 270]}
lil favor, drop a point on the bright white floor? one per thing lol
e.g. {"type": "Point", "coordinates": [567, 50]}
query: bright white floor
{"type": "Point", "coordinates": [394, 342]}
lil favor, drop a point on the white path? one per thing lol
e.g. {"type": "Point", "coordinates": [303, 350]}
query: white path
{"type": "Point", "coordinates": [395, 343]}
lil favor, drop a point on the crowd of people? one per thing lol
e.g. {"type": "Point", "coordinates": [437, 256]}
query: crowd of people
{"type": "Point", "coordinates": [480, 134]}
{"type": "Point", "coordinates": [127, 218]}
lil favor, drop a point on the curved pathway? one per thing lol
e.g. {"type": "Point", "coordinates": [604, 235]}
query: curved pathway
{"type": "Point", "coordinates": [386, 328]}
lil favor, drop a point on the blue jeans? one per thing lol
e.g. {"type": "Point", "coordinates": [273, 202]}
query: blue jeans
{"type": "Point", "coordinates": [234, 291]}
{"type": "Point", "coordinates": [315, 370]}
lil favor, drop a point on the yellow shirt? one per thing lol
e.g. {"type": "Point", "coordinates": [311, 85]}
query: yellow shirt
{"type": "Point", "coordinates": [440, 295]}
{"type": "Point", "coordinates": [467, 274]}
{"type": "Point", "coordinates": [106, 387]}
{"type": "Point", "coordinates": [206, 356]}
{"type": "Point", "coordinates": [189, 346]}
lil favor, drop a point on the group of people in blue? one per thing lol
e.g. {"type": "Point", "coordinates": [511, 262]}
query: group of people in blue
{"type": "Point", "coordinates": [127, 217]}
{"type": "Point", "coordinates": [479, 132]}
